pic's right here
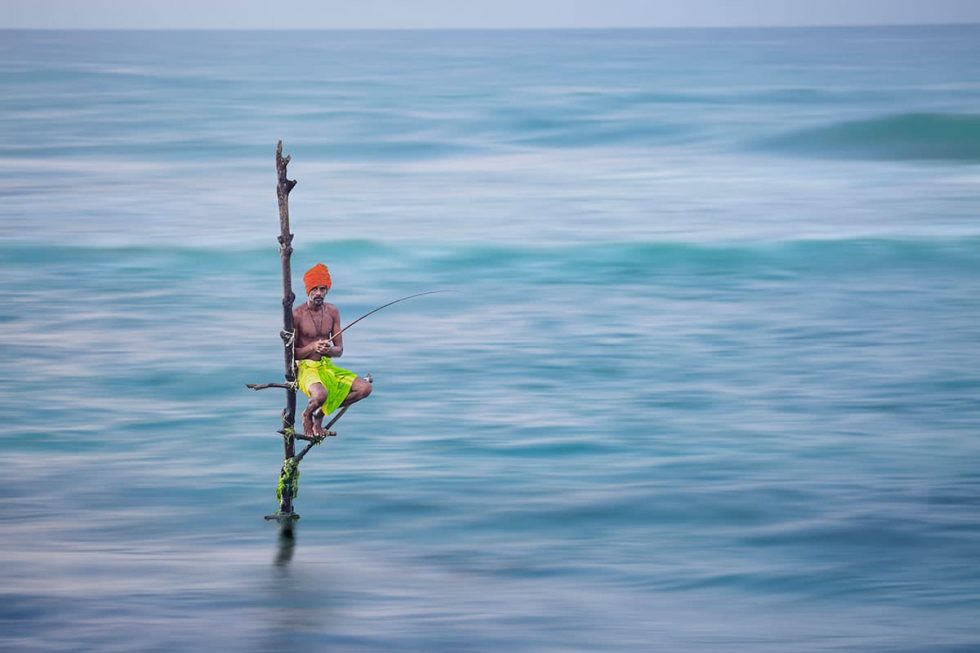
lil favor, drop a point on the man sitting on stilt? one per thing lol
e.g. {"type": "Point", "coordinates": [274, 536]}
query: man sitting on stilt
{"type": "Point", "coordinates": [318, 340]}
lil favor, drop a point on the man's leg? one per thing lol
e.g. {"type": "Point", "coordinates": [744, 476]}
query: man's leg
{"type": "Point", "coordinates": [312, 417]}
{"type": "Point", "coordinates": [360, 389]}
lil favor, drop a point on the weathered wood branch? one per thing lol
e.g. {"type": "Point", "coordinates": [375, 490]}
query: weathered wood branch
{"type": "Point", "coordinates": [306, 449]}
{"type": "Point", "coordinates": [289, 472]}
{"type": "Point", "coordinates": [283, 187]}
{"type": "Point", "coordinates": [335, 418]}
{"type": "Point", "coordinates": [312, 438]}
{"type": "Point", "coordinates": [266, 386]}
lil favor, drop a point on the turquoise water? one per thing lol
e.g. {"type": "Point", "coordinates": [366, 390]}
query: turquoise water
{"type": "Point", "coordinates": [707, 379]}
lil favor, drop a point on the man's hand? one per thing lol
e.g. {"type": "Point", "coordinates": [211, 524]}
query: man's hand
{"type": "Point", "coordinates": [323, 347]}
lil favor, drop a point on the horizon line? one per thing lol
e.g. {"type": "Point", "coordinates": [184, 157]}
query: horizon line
{"type": "Point", "coordinates": [488, 29]}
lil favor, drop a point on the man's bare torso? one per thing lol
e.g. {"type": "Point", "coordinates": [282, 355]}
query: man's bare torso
{"type": "Point", "coordinates": [313, 324]}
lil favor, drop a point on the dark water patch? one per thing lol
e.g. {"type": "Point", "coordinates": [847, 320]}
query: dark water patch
{"type": "Point", "coordinates": [554, 450]}
{"type": "Point", "coordinates": [903, 137]}
{"type": "Point", "coordinates": [547, 127]}
{"type": "Point", "coordinates": [871, 532]}
{"type": "Point", "coordinates": [808, 97]}
{"type": "Point", "coordinates": [207, 148]}
{"type": "Point", "coordinates": [410, 148]}
{"type": "Point", "coordinates": [583, 516]}
{"type": "Point", "coordinates": [175, 258]}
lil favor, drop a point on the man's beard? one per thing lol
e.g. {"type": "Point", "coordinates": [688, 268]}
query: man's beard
{"type": "Point", "coordinates": [318, 301]}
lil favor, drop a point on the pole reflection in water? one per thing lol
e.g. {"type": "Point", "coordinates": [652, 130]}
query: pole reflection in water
{"type": "Point", "coordinates": [287, 545]}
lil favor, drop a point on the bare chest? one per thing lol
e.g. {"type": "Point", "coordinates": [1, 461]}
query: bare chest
{"type": "Point", "coordinates": [314, 325]}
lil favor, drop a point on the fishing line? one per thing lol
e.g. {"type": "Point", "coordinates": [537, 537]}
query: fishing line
{"type": "Point", "coordinates": [372, 312]}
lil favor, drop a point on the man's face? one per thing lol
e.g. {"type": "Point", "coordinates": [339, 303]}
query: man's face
{"type": "Point", "coordinates": [317, 294]}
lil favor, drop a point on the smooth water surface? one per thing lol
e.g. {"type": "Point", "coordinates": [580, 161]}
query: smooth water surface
{"type": "Point", "coordinates": [707, 378]}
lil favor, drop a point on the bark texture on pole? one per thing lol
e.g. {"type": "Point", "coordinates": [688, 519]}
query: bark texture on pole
{"type": "Point", "coordinates": [283, 187]}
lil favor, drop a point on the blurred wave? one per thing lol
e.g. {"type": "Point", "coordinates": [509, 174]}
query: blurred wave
{"type": "Point", "coordinates": [605, 262]}
{"type": "Point", "coordinates": [907, 136]}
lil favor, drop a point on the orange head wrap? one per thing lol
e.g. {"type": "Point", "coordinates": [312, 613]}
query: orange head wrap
{"type": "Point", "coordinates": [318, 275]}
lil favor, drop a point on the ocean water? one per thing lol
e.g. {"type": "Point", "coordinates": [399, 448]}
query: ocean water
{"type": "Point", "coordinates": [706, 380]}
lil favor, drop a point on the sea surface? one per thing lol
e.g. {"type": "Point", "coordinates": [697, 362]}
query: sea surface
{"type": "Point", "coordinates": [707, 378]}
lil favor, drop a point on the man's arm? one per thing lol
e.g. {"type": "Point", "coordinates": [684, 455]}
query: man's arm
{"type": "Point", "coordinates": [338, 340]}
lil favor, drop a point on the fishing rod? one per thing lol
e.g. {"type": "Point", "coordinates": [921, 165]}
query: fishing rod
{"type": "Point", "coordinates": [263, 386]}
{"type": "Point", "coordinates": [319, 411]}
{"type": "Point", "coordinates": [372, 312]}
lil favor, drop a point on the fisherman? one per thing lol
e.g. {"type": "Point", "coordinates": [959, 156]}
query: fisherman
{"type": "Point", "coordinates": [318, 340]}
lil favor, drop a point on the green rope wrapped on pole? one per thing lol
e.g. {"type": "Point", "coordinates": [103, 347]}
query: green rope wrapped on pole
{"type": "Point", "coordinates": [288, 479]}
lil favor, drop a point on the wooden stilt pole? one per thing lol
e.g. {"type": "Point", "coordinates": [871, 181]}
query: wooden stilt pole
{"type": "Point", "coordinates": [289, 468]}
{"type": "Point", "coordinates": [289, 473]}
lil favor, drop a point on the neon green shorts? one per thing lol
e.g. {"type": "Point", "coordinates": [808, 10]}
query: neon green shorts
{"type": "Point", "coordinates": [336, 380]}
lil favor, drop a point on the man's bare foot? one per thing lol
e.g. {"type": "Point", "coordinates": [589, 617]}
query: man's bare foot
{"type": "Point", "coordinates": [318, 424]}
{"type": "Point", "coordinates": [308, 423]}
